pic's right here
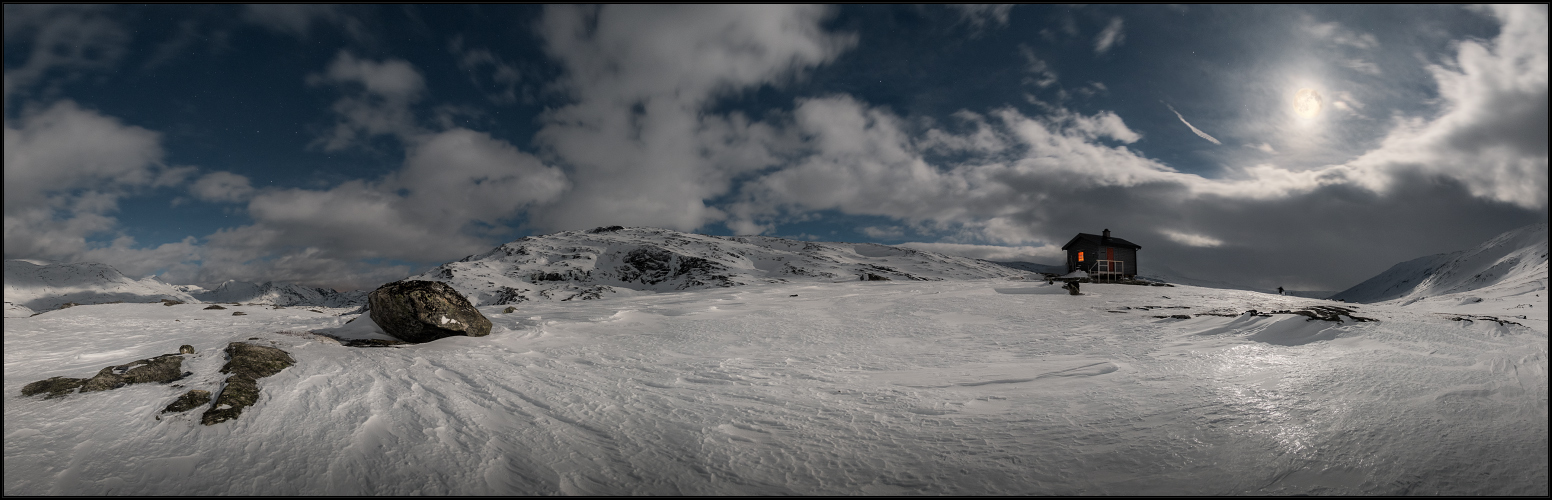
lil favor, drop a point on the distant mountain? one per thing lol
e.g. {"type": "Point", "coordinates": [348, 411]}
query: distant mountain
{"type": "Point", "coordinates": [35, 286]}
{"type": "Point", "coordinates": [1165, 274]}
{"type": "Point", "coordinates": [1033, 267]}
{"type": "Point", "coordinates": [604, 262]}
{"type": "Point", "coordinates": [1512, 263]}
{"type": "Point", "coordinates": [280, 294]}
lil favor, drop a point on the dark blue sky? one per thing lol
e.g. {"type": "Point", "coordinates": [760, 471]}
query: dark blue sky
{"type": "Point", "coordinates": [349, 145]}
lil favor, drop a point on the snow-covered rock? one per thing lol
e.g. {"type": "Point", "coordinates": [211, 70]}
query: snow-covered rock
{"type": "Point", "coordinates": [41, 286]}
{"type": "Point", "coordinates": [615, 261]}
{"type": "Point", "coordinates": [280, 294]}
{"type": "Point", "coordinates": [1512, 264]}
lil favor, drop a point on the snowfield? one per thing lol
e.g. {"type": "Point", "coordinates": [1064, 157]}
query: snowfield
{"type": "Point", "coordinates": [983, 386]}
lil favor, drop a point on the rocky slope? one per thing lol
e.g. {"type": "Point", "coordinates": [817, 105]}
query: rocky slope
{"type": "Point", "coordinates": [616, 261]}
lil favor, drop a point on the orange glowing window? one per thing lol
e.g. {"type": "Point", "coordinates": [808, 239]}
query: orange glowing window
{"type": "Point", "coordinates": [1080, 256]}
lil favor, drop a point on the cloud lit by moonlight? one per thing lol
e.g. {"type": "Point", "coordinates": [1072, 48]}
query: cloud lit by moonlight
{"type": "Point", "coordinates": [1306, 103]}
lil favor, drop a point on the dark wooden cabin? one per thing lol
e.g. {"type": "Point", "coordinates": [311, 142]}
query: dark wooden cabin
{"type": "Point", "coordinates": [1104, 257]}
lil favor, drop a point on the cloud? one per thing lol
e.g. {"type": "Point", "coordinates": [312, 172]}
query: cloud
{"type": "Point", "coordinates": [1492, 134]}
{"type": "Point", "coordinates": [1110, 37]}
{"type": "Point", "coordinates": [68, 39]}
{"type": "Point", "coordinates": [1043, 75]}
{"type": "Point", "coordinates": [66, 168]}
{"type": "Point", "coordinates": [1197, 131]}
{"type": "Point", "coordinates": [638, 140]}
{"type": "Point", "coordinates": [886, 232]}
{"type": "Point", "coordinates": [222, 187]}
{"type": "Point", "coordinates": [1263, 147]}
{"type": "Point", "coordinates": [979, 16]}
{"type": "Point", "coordinates": [1335, 33]}
{"type": "Point", "coordinates": [380, 104]}
{"type": "Point", "coordinates": [504, 77]}
{"type": "Point", "coordinates": [298, 19]}
{"type": "Point", "coordinates": [1191, 240]}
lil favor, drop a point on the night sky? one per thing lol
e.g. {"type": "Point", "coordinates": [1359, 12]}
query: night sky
{"type": "Point", "coordinates": [1309, 147]}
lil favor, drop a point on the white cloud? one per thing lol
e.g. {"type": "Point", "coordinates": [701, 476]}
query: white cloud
{"type": "Point", "coordinates": [504, 77]}
{"type": "Point", "coordinates": [68, 39]}
{"type": "Point", "coordinates": [382, 106]}
{"type": "Point", "coordinates": [1110, 37]}
{"type": "Point", "coordinates": [1190, 239]}
{"type": "Point", "coordinates": [884, 232]}
{"type": "Point", "coordinates": [65, 169]}
{"type": "Point", "coordinates": [1197, 131]}
{"type": "Point", "coordinates": [642, 148]}
{"type": "Point", "coordinates": [980, 16]}
{"type": "Point", "coordinates": [298, 19]}
{"type": "Point", "coordinates": [1043, 75]}
{"type": "Point", "coordinates": [222, 187]}
{"type": "Point", "coordinates": [1334, 32]}
{"type": "Point", "coordinates": [1492, 135]}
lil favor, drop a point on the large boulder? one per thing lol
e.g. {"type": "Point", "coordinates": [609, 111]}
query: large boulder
{"type": "Point", "coordinates": [423, 311]}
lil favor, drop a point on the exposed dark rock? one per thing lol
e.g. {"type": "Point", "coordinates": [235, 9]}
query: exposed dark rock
{"type": "Point", "coordinates": [67, 305]}
{"type": "Point", "coordinates": [188, 401]}
{"type": "Point", "coordinates": [185, 349]}
{"type": "Point", "coordinates": [170, 302]}
{"type": "Point", "coordinates": [55, 387]}
{"type": "Point", "coordinates": [874, 277]}
{"type": "Point", "coordinates": [239, 313]}
{"type": "Point", "coordinates": [214, 307]}
{"type": "Point", "coordinates": [509, 310]}
{"type": "Point", "coordinates": [247, 363]}
{"type": "Point", "coordinates": [372, 343]}
{"type": "Point", "coordinates": [609, 229]}
{"type": "Point", "coordinates": [423, 311]}
{"type": "Point", "coordinates": [162, 369]}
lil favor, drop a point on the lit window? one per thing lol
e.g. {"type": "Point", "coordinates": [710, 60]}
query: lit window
{"type": "Point", "coordinates": [1080, 256]}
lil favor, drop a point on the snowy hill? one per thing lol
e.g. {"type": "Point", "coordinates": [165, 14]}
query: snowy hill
{"type": "Point", "coordinates": [34, 286]}
{"type": "Point", "coordinates": [280, 294]}
{"type": "Point", "coordinates": [617, 262]}
{"type": "Point", "coordinates": [1508, 268]}
{"type": "Point", "coordinates": [1033, 267]}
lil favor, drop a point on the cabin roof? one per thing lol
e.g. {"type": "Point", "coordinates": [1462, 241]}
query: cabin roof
{"type": "Point", "coordinates": [1101, 241]}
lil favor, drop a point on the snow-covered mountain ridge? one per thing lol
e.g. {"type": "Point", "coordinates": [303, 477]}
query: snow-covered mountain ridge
{"type": "Point", "coordinates": [274, 293]}
{"type": "Point", "coordinates": [605, 262]}
{"type": "Point", "coordinates": [1512, 264]}
{"type": "Point", "coordinates": [36, 286]}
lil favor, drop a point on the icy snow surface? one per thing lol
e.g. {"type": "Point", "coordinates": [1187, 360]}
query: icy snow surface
{"type": "Point", "coordinates": [982, 386]}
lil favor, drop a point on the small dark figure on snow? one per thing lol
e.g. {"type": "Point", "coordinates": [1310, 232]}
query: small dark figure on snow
{"type": "Point", "coordinates": [1072, 288]}
{"type": "Point", "coordinates": [1280, 291]}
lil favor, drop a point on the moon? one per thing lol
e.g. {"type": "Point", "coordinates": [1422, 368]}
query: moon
{"type": "Point", "coordinates": [1306, 103]}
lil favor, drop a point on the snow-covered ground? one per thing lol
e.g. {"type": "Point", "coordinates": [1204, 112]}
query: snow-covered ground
{"type": "Point", "coordinates": [982, 386]}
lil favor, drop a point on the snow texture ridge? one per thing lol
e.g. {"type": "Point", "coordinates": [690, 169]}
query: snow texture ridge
{"type": "Point", "coordinates": [1512, 264]}
{"type": "Point", "coordinates": [620, 262]}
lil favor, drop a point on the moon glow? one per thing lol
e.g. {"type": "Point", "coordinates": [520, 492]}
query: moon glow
{"type": "Point", "coordinates": [1306, 103]}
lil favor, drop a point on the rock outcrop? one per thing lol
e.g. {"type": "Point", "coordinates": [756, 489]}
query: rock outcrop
{"type": "Point", "coordinates": [423, 311]}
{"type": "Point", "coordinates": [161, 369]}
{"type": "Point", "coordinates": [190, 400]}
{"type": "Point", "coordinates": [247, 363]}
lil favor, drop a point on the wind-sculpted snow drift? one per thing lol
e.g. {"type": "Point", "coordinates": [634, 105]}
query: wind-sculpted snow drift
{"type": "Point", "coordinates": [616, 261]}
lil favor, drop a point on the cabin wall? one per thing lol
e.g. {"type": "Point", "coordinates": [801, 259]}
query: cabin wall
{"type": "Point", "coordinates": [1094, 252]}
